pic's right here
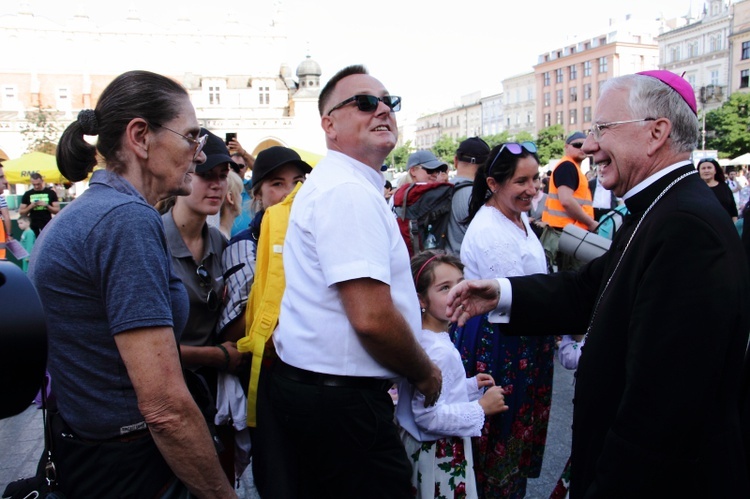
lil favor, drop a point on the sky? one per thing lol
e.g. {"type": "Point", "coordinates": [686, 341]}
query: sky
{"type": "Point", "coordinates": [430, 55]}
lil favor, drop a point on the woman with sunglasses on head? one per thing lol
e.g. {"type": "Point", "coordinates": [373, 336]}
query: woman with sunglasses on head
{"type": "Point", "coordinates": [197, 249]}
{"type": "Point", "coordinates": [115, 307]}
{"type": "Point", "coordinates": [499, 242]}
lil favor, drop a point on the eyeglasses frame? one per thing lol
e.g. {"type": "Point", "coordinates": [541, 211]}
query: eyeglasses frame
{"type": "Point", "coordinates": [200, 142]}
{"type": "Point", "coordinates": [393, 106]}
{"type": "Point", "coordinates": [596, 129]}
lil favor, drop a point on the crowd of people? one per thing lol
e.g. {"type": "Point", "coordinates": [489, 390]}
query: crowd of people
{"type": "Point", "coordinates": [212, 322]}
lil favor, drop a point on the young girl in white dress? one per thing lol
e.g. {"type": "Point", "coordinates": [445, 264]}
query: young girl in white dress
{"type": "Point", "coordinates": [438, 438]}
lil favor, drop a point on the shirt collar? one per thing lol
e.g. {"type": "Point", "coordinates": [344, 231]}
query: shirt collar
{"type": "Point", "coordinates": [116, 182]}
{"type": "Point", "coordinates": [653, 178]}
{"type": "Point", "coordinates": [374, 177]}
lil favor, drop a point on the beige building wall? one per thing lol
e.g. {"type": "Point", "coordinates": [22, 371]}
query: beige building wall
{"type": "Point", "coordinates": [739, 47]}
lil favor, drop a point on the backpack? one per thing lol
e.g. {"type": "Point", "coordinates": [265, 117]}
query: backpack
{"type": "Point", "coordinates": [423, 211]}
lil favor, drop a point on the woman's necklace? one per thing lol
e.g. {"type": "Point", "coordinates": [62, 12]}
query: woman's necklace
{"type": "Point", "coordinates": [622, 255]}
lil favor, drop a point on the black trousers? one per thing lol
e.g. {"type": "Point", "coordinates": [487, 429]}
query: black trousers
{"type": "Point", "coordinates": [342, 442]}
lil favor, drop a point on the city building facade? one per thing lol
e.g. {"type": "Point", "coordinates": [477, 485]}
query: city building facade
{"type": "Point", "coordinates": [65, 67]}
{"type": "Point", "coordinates": [520, 104]}
{"type": "Point", "coordinates": [739, 48]}
{"type": "Point", "coordinates": [568, 79]}
{"type": "Point", "coordinates": [700, 51]}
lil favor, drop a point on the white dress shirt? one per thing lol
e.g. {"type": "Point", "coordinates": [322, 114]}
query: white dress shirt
{"type": "Point", "coordinates": [340, 228]}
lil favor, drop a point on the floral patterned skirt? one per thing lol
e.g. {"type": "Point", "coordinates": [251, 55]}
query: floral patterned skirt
{"type": "Point", "coordinates": [441, 468]}
{"type": "Point", "coordinates": [511, 446]}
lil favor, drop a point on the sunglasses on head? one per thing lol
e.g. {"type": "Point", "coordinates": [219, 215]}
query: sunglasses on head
{"type": "Point", "coordinates": [369, 103]}
{"type": "Point", "coordinates": [515, 149]}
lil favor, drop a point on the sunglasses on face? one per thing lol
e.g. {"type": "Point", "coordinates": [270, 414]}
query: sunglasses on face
{"type": "Point", "coordinates": [577, 145]}
{"type": "Point", "coordinates": [369, 103]}
{"type": "Point", "coordinates": [435, 171]}
{"type": "Point", "coordinates": [515, 149]}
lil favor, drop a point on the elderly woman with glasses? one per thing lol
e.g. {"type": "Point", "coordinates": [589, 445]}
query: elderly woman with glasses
{"type": "Point", "coordinates": [499, 242]}
{"type": "Point", "coordinates": [116, 308]}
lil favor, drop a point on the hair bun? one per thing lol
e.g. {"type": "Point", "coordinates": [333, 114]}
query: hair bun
{"type": "Point", "coordinates": [89, 123]}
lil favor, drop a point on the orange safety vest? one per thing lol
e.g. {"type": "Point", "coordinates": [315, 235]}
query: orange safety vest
{"type": "Point", "coordinates": [554, 213]}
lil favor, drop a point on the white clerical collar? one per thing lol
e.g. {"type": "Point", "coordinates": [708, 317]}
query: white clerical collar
{"type": "Point", "coordinates": [653, 178]}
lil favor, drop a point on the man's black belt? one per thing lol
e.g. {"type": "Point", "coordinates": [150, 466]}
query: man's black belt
{"type": "Point", "coordinates": [319, 379]}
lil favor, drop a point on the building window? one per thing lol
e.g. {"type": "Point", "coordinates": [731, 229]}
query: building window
{"type": "Point", "coordinates": [264, 95]}
{"type": "Point", "coordinates": [745, 50]}
{"type": "Point", "coordinates": [214, 96]}
{"type": "Point", "coordinates": [715, 77]}
{"type": "Point", "coordinates": [9, 92]}
{"type": "Point", "coordinates": [547, 120]}
{"type": "Point", "coordinates": [546, 99]}
{"type": "Point", "coordinates": [692, 49]}
{"type": "Point", "coordinates": [546, 79]}
{"type": "Point", "coordinates": [573, 116]}
{"type": "Point", "coordinates": [63, 98]}
{"type": "Point", "coordinates": [573, 70]}
{"type": "Point", "coordinates": [560, 96]}
{"type": "Point", "coordinates": [529, 117]}
{"type": "Point", "coordinates": [573, 94]}
{"type": "Point", "coordinates": [586, 91]}
{"type": "Point", "coordinates": [559, 75]}
{"type": "Point", "coordinates": [587, 114]}
{"type": "Point", "coordinates": [559, 118]}
{"type": "Point", "coordinates": [714, 43]}
{"type": "Point", "coordinates": [602, 65]}
{"type": "Point", "coordinates": [587, 68]}
{"type": "Point", "coordinates": [674, 54]}
{"type": "Point", "coordinates": [691, 80]}
{"type": "Point", "coordinates": [745, 78]}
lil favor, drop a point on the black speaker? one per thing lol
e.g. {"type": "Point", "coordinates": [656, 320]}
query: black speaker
{"type": "Point", "coordinates": [23, 341]}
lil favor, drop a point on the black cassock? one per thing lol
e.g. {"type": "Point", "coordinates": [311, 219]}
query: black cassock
{"type": "Point", "coordinates": [656, 410]}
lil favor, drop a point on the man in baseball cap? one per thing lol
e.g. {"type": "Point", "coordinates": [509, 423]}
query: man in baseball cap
{"type": "Point", "coordinates": [423, 166]}
{"type": "Point", "coordinates": [470, 155]}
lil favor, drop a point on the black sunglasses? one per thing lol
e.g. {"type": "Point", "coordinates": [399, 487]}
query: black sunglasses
{"type": "Point", "coordinates": [439, 169]}
{"type": "Point", "coordinates": [577, 145]}
{"type": "Point", "coordinates": [369, 103]}
{"type": "Point", "coordinates": [515, 149]}
{"type": "Point", "coordinates": [212, 299]}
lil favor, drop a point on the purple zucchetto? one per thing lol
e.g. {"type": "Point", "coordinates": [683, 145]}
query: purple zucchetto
{"type": "Point", "coordinates": [676, 83]}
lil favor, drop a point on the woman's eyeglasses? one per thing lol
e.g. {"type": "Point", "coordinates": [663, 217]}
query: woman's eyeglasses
{"type": "Point", "coordinates": [199, 142]}
{"type": "Point", "coordinates": [369, 103]}
{"type": "Point", "coordinates": [515, 148]}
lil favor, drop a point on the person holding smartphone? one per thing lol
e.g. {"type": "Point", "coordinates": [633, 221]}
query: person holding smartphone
{"type": "Point", "coordinates": [39, 203]}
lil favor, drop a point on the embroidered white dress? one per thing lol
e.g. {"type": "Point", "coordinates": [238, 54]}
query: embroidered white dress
{"type": "Point", "coordinates": [438, 438]}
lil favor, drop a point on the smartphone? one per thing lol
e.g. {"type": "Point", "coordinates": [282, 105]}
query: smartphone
{"type": "Point", "coordinates": [229, 136]}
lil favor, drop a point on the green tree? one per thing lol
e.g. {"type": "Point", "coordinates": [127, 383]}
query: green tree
{"type": "Point", "coordinates": [445, 149]}
{"type": "Point", "coordinates": [400, 155]}
{"type": "Point", "coordinates": [41, 131]}
{"type": "Point", "coordinates": [523, 137]}
{"type": "Point", "coordinates": [728, 128]}
{"type": "Point", "coordinates": [497, 139]}
{"type": "Point", "coordinates": [550, 143]}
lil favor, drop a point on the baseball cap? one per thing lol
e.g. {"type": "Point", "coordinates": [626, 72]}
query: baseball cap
{"type": "Point", "coordinates": [272, 158]}
{"type": "Point", "coordinates": [425, 159]}
{"type": "Point", "coordinates": [676, 83]}
{"type": "Point", "coordinates": [216, 153]}
{"type": "Point", "coordinates": [576, 136]}
{"type": "Point", "coordinates": [473, 150]}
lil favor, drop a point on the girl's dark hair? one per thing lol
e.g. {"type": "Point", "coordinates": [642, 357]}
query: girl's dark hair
{"type": "Point", "coordinates": [423, 267]}
{"type": "Point", "coordinates": [718, 170]}
{"type": "Point", "coordinates": [150, 96]}
{"type": "Point", "coordinates": [502, 166]}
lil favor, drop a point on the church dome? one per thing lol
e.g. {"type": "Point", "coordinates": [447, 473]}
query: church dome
{"type": "Point", "coordinates": [308, 67]}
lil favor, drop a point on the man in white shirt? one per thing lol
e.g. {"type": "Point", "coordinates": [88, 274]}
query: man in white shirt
{"type": "Point", "coordinates": [350, 311]}
{"type": "Point", "coordinates": [669, 298]}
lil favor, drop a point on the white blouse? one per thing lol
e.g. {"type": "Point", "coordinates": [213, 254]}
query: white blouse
{"type": "Point", "coordinates": [494, 247]}
{"type": "Point", "coordinates": [457, 412]}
